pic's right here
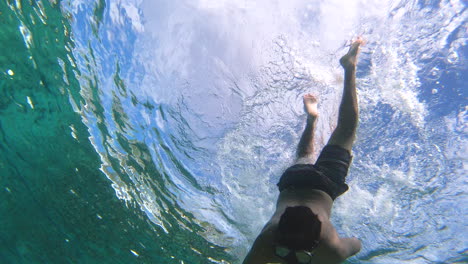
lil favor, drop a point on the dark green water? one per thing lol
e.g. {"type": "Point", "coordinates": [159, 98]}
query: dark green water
{"type": "Point", "coordinates": [55, 204]}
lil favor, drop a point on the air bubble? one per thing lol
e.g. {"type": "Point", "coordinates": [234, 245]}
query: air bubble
{"type": "Point", "coordinates": [435, 73]}
{"type": "Point", "coordinates": [10, 72]}
{"type": "Point", "coordinates": [452, 57]}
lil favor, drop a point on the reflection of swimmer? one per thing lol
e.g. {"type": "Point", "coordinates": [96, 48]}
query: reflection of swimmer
{"type": "Point", "coordinates": [300, 230]}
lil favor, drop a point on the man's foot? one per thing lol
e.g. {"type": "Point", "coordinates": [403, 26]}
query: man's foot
{"type": "Point", "coordinates": [310, 106]}
{"type": "Point", "coordinates": [350, 59]}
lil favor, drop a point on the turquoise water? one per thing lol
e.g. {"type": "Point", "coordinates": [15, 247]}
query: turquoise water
{"type": "Point", "coordinates": [140, 131]}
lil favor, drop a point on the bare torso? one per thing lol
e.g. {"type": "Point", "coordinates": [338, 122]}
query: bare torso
{"type": "Point", "coordinates": [332, 249]}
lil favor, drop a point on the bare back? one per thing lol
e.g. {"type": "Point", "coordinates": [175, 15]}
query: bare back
{"type": "Point", "coordinates": [331, 249]}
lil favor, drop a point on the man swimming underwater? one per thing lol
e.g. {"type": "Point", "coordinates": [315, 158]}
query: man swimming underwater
{"type": "Point", "coordinates": [300, 230]}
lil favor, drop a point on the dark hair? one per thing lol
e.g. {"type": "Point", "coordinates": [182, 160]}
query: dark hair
{"type": "Point", "coordinates": [299, 229]}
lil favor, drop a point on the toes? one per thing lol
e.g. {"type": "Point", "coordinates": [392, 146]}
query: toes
{"type": "Point", "coordinates": [355, 46]}
{"type": "Point", "coordinates": [310, 99]}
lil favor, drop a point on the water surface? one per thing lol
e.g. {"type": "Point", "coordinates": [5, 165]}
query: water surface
{"type": "Point", "coordinates": [140, 131]}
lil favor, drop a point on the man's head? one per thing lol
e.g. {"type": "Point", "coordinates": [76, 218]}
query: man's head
{"type": "Point", "coordinates": [299, 229]}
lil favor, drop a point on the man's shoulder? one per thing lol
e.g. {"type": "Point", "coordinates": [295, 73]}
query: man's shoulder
{"type": "Point", "coordinates": [337, 248]}
{"type": "Point", "coordinates": [262, 248]}
{"type": "Point", "coordinates": [332, 248]}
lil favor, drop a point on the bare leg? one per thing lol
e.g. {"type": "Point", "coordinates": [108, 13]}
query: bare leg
{"type": "Point", "coordinates": [306, 145]}
{"type": "Point", "coordinates": [345, 132]}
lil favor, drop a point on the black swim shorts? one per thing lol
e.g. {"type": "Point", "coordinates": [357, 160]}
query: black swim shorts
{"type": "Point", "coordinates": [327, 174]}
